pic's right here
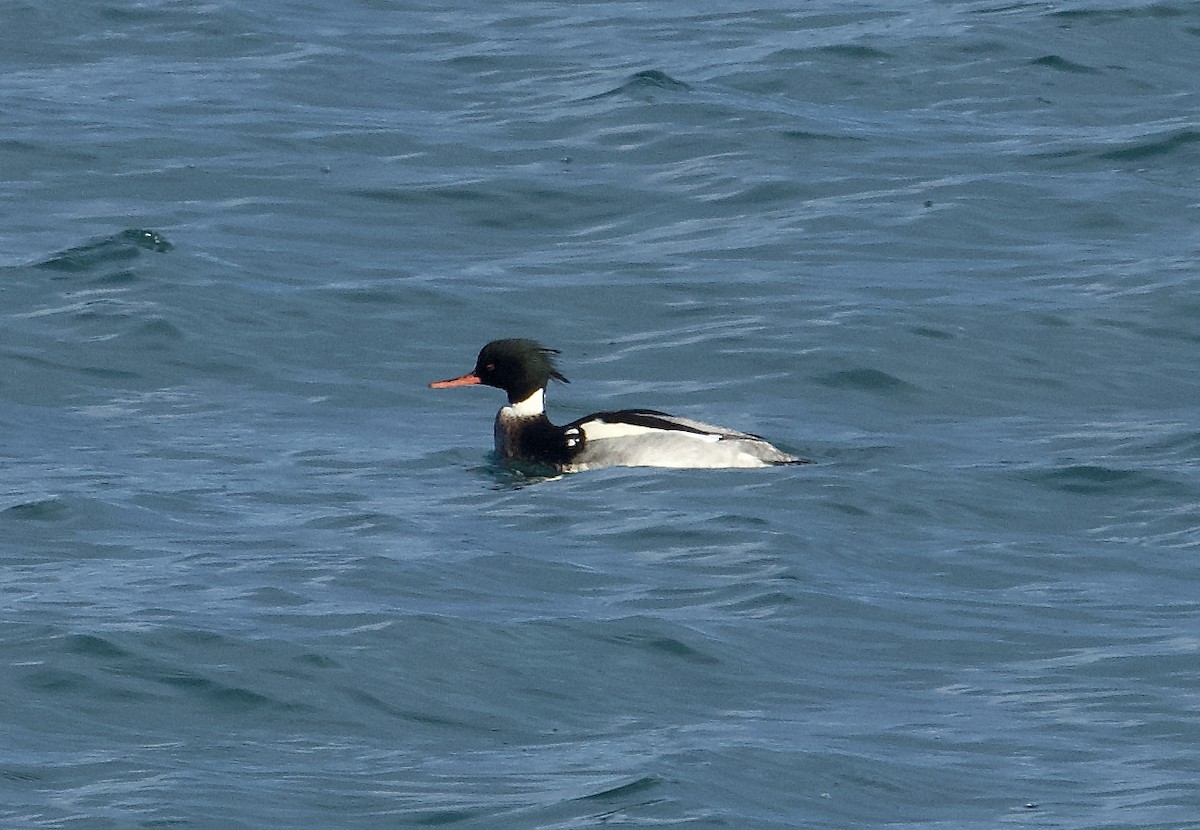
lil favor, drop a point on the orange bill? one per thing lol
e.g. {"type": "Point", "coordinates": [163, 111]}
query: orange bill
{"type": "Point", "coordinates": [466, 380]}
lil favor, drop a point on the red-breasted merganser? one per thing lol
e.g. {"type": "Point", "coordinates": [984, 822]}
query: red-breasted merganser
{"type": "Point", "coordinates": [628, 438]}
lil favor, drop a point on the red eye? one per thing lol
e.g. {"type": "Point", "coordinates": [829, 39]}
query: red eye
{"type": "Point", "coordinates": [491, 367]}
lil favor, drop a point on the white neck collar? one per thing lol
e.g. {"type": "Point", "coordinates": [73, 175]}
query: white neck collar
{"type": "Point", "coordinates": [531, 407]}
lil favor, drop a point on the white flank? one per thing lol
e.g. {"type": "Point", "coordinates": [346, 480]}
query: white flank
{"type": "Point", "coordinates": [657, 448]}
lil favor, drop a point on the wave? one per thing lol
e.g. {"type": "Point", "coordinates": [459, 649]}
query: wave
{"type": "Point", "coordinates": [120, 247]}
{"type": "Point", "coordinates": [641, 84]}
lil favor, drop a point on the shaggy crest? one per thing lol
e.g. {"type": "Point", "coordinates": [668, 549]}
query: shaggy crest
{"type": "Point", "coordinates": [519, 365]}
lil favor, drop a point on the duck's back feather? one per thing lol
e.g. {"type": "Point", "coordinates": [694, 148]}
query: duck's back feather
{"type": "Point", "coordinates": [649, 438]}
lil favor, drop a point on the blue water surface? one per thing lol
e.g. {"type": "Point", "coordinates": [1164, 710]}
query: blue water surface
{"type": "Point", "coordinates": [254, 573]}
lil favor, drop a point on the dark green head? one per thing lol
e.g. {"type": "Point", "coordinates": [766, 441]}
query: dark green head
{"type": "Point", "coordinates": [518, 366]}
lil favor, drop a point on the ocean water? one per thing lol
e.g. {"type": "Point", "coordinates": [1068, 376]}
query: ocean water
{"type": "Point", "coordinates": [254, 574]}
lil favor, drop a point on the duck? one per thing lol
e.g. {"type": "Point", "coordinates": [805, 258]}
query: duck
{"type": "Point", "coordinates": [523, 368]}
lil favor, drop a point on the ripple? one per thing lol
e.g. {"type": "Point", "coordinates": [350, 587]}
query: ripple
{"type": "Point", "coordinates": [1061, 64]}
{"type": "Point", "coordinates": [868, 380]}
{"type": "Point", "coordinates": [1161, 144]}
{"type": "Point", "coordinates": [1097, 479]}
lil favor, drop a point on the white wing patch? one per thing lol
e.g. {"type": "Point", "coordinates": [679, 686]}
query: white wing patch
{"type": "Point", "coordinates": [602, 430]}
{"type": "Point", "coordinates": [714, 431]}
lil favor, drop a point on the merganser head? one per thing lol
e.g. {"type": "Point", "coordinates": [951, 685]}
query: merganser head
{"type": "Point", "coordinates": [518, 366]}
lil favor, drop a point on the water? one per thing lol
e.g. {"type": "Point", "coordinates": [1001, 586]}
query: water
{"type": "Point", "coordinates": [256, 574]}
